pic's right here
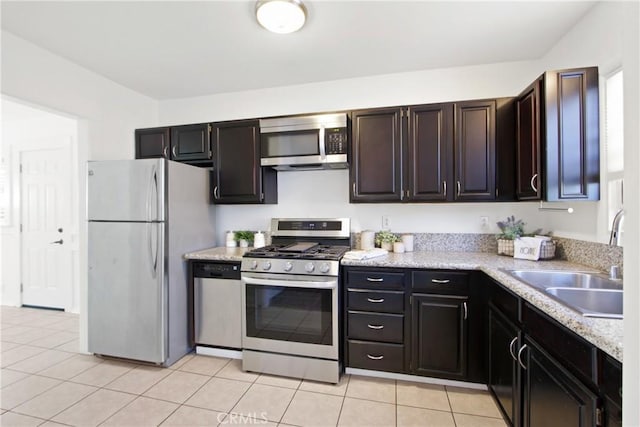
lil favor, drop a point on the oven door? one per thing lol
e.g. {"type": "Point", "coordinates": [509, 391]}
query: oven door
{"type": "Point", "coordinates": [290, 314]}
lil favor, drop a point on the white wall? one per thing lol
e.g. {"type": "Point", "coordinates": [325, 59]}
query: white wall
{"type": "Point", "coordinates": [107, 114]}
{"type": "Point", "coordinates": [608, 37]}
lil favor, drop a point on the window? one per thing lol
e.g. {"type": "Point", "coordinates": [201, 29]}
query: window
{"type": "Point", "coordinates": [614, 137]}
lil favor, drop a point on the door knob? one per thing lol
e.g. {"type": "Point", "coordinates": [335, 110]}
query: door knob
{"type": "Point", "coordinates": [60, 230]}
{"type": "Point", "coordinates": [59, 242]}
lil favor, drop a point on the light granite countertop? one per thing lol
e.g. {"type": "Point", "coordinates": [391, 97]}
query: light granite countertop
{"type": "Point", "coordinates": [218, 254]}
{"type": "Point", "coordinates": [606, 334]}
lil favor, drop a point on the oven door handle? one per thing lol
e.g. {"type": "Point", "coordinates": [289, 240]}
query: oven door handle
{"type": "Point", "coordinates": [332, 284]}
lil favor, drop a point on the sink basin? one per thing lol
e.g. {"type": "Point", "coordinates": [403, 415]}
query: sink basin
{"type": "Point", "coordinates": [591, 302]}
{"type": "Point", "coordinates": [591, 294]}
{"type": "Point", "coordinates": [565, 279]}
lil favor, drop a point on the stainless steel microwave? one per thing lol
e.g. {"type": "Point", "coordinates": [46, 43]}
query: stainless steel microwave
{"type": "Point", "coordinates": [318, 141]}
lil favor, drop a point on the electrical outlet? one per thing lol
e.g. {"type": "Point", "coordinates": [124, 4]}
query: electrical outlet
{"type": "Point", "coordinates": [484, 222]}
{"type": "Point", "coordinates": [385, 222]}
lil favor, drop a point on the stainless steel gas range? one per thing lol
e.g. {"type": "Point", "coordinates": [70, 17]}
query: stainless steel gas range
{"type": "Point", "coordinates": [290, 299]}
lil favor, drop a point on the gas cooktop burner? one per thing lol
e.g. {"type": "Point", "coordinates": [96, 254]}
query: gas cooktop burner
{"type": "Point", "coordinates": [303, 250]}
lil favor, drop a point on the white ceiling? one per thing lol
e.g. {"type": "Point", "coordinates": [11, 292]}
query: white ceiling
{"type": "Point", "coordinates": [180, 49]}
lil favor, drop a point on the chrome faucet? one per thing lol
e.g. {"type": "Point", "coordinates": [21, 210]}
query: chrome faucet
{"type": "Point", "coordinates": [614, 239]}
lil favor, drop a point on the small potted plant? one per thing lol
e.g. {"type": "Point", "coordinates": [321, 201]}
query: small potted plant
{"type": "Point", "coordinates": [510, 229]}
{"type": "Point", "coordinates": [244, 238]}
{"type": "Point", "coordinates": [385, 239]}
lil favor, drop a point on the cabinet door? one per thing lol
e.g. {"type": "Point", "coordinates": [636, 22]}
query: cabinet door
{"type": "Point", "coordinates": [552, 395]}
{"type": "Point", "coordinates": [475, 150]}
{"type": "Point", "coordinates": [152, 142]}
{"type": "Point", "coordinates": [572, 134]}
{"type": "Point", "coordinates": [376, 169]}
{"type": "Point", "coordinates": [439, 336]}
{"type": "Point", "coordinates": [503, 367]}
{"type": "Point", "coordinates": [237, 175]}
{"type": "Point", "coordinates": [430, 152]}
{"type": "Point", "coordinates": [191, 142]}
{"type": "Point", "coordinates": [528, 172]}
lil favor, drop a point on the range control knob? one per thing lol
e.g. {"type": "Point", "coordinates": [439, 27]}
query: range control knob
{"type": "Point", "coordinates": [288, 266]}
{"type": "Point", "coordinates": [266, 265]}
{"type": "Point", "coordinates": [309, 267]}
{"type": "Point", "coordinates": [253, 265]}
{"type": "Point", "coordinates": [325, 267]}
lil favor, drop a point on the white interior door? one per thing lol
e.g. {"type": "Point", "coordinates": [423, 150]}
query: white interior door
{"type": "Point", "coordinates": [46, 221]}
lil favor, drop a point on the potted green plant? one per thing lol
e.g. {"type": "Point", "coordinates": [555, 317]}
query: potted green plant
{"type": "Point", "coordinates": [244, 238]}
{"type": "Point", "coordinates": [385, 239]}
{"type": "Point", "coordinates": [510, 229]}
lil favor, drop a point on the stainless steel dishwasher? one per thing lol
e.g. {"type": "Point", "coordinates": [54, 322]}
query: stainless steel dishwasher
{"type": "Point", "coordinates": [217, 298]}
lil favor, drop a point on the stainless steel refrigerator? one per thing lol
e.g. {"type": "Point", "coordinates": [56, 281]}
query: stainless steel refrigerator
{"type": "Point", "coordinates": [144, 215]}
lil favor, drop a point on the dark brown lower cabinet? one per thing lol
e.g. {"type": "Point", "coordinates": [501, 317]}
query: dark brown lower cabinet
{"type": "Point", "coordinates": [439, 335]}
{"type": "Point", "coordinates": [552, 395]}
{"type": "Point", "coordinates": [503, 366]}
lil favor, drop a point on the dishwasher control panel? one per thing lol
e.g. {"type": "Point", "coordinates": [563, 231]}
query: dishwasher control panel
{"type": "Point", "coordinates": [217, 270]}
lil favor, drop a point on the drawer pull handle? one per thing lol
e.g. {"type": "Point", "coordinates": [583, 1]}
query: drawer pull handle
{"type": "Point", "coordinates": [375, 357]}
{"type": "Point", "coordinates": [375, 326]}
{"type": "Point", "coordinates": [466, 311]}
{"type": "Point", "coordinates": [375, 300]}
{"type": "Point", "coordinates": [375, 279]}
{"type": "Point", "coordinates": [442, 282]}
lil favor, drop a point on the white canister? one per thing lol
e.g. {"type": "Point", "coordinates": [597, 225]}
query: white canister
{"type": "Point", "coordinates": [367, 240]}
{"type": "Point", "coordinates": [231, 241]}
{"type": "Point", "coordinates": [258, 240]}
{"type": "Point", "coordinates": [398, 247]}
{"type": "Point", "coordinates": [407, 240]}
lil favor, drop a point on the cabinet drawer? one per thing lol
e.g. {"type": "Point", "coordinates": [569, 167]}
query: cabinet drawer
{"type": "Point", "coordinates": [375, 326]}
{"type": "Point", "coordinates": [377, 279]}
{"type": "Point", "coordinates": [576, 354]}
{"type": "Point", "coordinates": [441, 282]}
{"type": "Point", "coordinates": [379, 301]}
{"type": "Point", "coordinates": [376, 356]}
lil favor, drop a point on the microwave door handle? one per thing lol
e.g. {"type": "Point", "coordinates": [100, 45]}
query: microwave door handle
{"type": "Point", "coordinates": [323, 154]}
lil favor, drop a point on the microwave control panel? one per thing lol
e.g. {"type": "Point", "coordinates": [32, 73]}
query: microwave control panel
{"type": "Point", "coordinates": [335, 141]}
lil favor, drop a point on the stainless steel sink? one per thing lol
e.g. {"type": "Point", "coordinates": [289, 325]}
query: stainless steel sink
{"type": "Point", "coordinates": [591, 302]}
{"type": "Point", "coordinates": [591, 294]}
{"type": "Point", "coordinates": [565, 279]}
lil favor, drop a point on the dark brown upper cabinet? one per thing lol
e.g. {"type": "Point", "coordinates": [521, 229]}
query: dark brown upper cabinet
{"type": "Point", "coordinates": [558, 155]}
{"type": "Point", "coordinates": [528, 149]}
{"type": "Point", "coordinates": [475, 147]}
{"type": "Point", "coordinates": [438, 152]}
{"type": "Point", "coordinates": [376, 168]}
{"type": "Point", "coordinates": [191, 143]}
{"type": "Point", "coordinates": [430, 152]}
{"type": "Point", "coordinates": [152, 142]}
{"type": "Point", "coordinates": [237, 176]}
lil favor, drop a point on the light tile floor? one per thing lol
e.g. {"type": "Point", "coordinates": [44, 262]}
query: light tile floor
{"type": "Point", "coordinates": [45, 381]}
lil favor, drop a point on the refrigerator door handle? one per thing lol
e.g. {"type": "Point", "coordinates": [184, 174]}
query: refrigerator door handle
{"type": "Point", "coordinates": [150, 194]}
{"type": "Point", "coordinates": [153, 259]}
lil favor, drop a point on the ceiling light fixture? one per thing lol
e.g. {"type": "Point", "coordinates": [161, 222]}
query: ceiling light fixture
{"type": "Point", "coordinates": [281, 16]}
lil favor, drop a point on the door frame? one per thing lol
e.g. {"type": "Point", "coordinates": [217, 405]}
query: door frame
{"type": "Point", "coordinates": [30, 133]}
